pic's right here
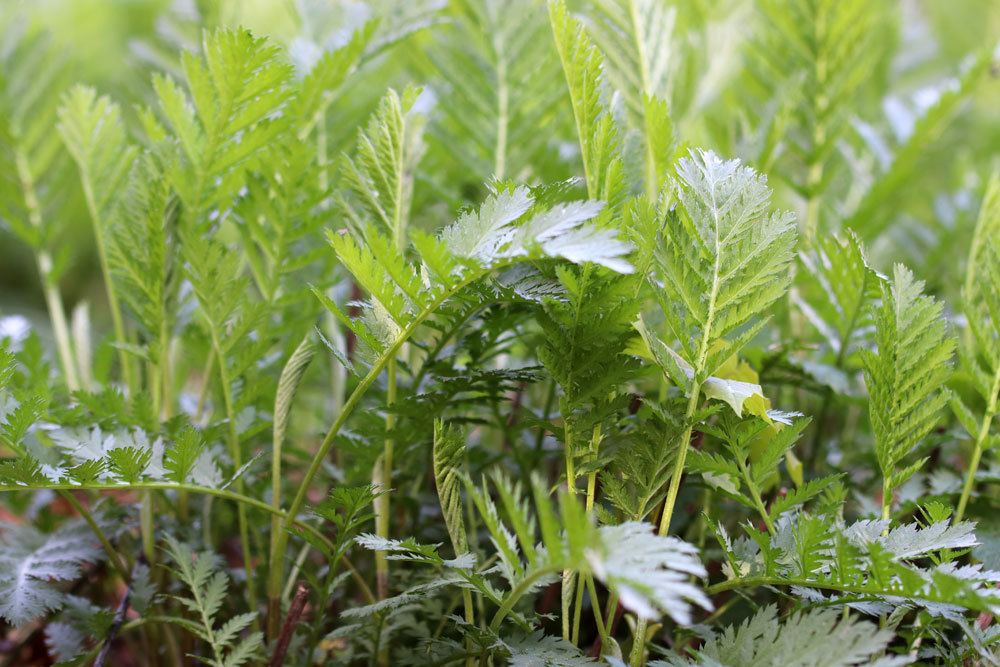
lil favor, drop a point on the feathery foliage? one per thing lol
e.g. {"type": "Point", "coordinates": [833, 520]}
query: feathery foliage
{"type": "Point", "coordinates": [499, 82]}
{"type": "Point", "coordinates": [33, 562]}
{"type": "Point", "coordinates": [208, 586]}
{"type": "Point", "coordinates": [635, 38]}
{"type": "Point", "coordinates": [563, 330]}
{"type": "Point", "coordinates": [724, 261]}
{"type": "Point", "coordinates": [815, 637]}
{"type": "Point", "coordinates": [905, 376]}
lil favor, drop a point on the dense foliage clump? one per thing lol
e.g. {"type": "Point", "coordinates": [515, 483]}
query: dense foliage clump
{"type": "Point", "coordinates": [626, 332]}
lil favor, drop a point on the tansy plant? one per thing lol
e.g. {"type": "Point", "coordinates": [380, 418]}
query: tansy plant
{"type": "Point", "coordinates": [469, 332]}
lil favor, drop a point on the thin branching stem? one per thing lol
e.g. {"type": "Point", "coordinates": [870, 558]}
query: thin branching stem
{"type": "Point", "coordinates": [235, 452]}
{"type": "Point", "coordinates": [977, 452]}
{"type": "Point", "coordinates": [117, 322]}
{"type": "Point", "coordinates": [53, 298]}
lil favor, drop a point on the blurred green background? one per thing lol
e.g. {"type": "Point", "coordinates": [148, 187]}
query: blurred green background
{"type": "Point", "coordinates": [115, 45]}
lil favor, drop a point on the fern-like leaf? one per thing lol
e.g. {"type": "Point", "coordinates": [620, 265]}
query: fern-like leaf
{"type": "Point", "coordinates": [142, 256]}
{"type": "Point", "coordinates": [807, 639]}
{"type": "Point", "coordinates": [906, 375]}
{"type": "Point", "coordinates": [208, 586]}
{"type": "Point", "coordinates": [449, 454]}
{"type": "Point", "coordinates": [595, 128]}
{"type": "Point", "coordinates": [93, 131]}
{"type": "Point", "coordinates": [724, 243]}
{"type": "Point", "coordinates": [650, 572]}
{"type": "Point", "coordinates": [32, 563]}
{"type": "Point", "coordinates": [635, 37]}
{"type": "Point", "coordinates": [815, 59]}
{"type": "Point", "coordinates": [836, 296]}
{"type": "Point", "coordinates": [500, 74]}
{"type": "Point", "coordinates": [380, 174]}
{"type": "Point", "coordinates": [223, 119]}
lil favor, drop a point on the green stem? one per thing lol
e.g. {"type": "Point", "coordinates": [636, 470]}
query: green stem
{"type": "Point", "coordinates": [60, 330]}
{"type": "Point", "coordinates": [675, 477]}
{"type": "Point", "coordinates": [886, 503]}
{"type": "Point", "coordinates": [237, 456]}
{"type": "Point", "coordinates": [517, 593]}
{"type": "Point", "coordinates": [113, 556]}
{"type": "Point", "coordinates": [970, 480]}
{"type": "Point", "coordinates": [383, 477]}
{"type": "Point", "coordinates": [316, 463]}
{"type": "Point", "coordinates": [570, 454]}
{"type": "Point", "coordinates": [53, 299]}
{"type": "Point", "coordinates": [755, 494]}
{"type": "Point", "coordinates": [568, 579]}
{"type": "Point", "coordinates": [595, 603]}
{"type": "Point", "coordinates": [610, 611]}
{"type": "Point", "coordinates": [297, 564]}
{"type": "Point", "coordinates": [981, 437]}
{"type": "Point", "coordinates": [470, 618]}
{"type": "Point", "coordinates": [147, 528]}
{"type": "Point", "coordinates": [595, 443]}
{"type": "Point", "coordinates": [102, 255]}
{"type": "Point", "coordinates": [577, 610]}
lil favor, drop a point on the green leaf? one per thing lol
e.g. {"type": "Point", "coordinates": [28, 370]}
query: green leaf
{"type": "Point", "coordinates": [179, 460]}
{"type": "Point", "coordinates": [650, 572]}
{"type": "Point", "coordinates": [129, 463]}
{"type": "Point", "coordinates": [288, 383]}
{"type": "Point", "coordinates": [449, 455]}
{"type": "Point", "coordinates": [540, 649]}
{"type": "Point", "coordinates": [906, 375]}
{"type": "Point", "coordinates": [800, 495]}
{"type": "Point", "coordinates": [223, 119]}
{"type": "Point", "coordinates": [32, 563]}
{"type": "Point", "coordinates": [835, 299]}
{"type": "Point", "coordinates": [595, 128]}
{"type": "Point", "coordinates": [208, 586]}
{"type": "Point", "coordinates": [503, 83]}
{"type": "Point", "coordinates": [723, 262]}
{"type": "Point", "coordinates": [636, 38]}
{"type": "Point", "coordinates": [805, 639]}
{"type": "Point", "coordinates": [815, 60]}
{"type": "Point", "coordinates": [380, 173]}
{"type": "Point", "coordinates": [33, 76]}
{"type": "Point", "coordinates": [94, 133]}
{"type": "Point", "coordinates": [142, 253]}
